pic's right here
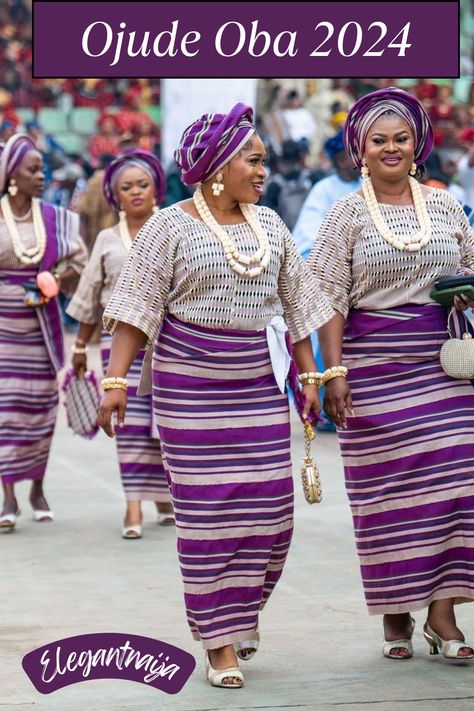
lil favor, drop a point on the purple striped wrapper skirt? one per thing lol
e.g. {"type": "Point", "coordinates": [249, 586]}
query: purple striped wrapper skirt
{"type": "Point", "coordinates": [409, 460]}
{"type": "Point", "coordinates": [28, 387]}
{"type": "Point", "coordinates": [138, 447]}
{"type": "Point", "coordinates": [225, 435]}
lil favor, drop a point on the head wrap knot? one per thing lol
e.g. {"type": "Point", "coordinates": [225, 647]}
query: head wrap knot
{"type": "Point", "coordinates": [211, 141]}
{"type": "Point", "coordinates": [11, 154]}
{"type": "Point", "coordinates": [370, 107]}
{"type": "Point", "coordinates": [138, 158]}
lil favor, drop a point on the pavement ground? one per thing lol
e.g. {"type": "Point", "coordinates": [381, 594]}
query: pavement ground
{"type": "Point", "coordinates": [320, 650]}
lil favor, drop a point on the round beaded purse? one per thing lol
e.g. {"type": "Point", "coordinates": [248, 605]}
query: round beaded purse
{"type": "Point", "coordinates": [457, 354]}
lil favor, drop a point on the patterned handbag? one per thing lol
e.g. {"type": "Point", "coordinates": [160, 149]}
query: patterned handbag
{"type": "Point", "coordinates": [82, 397]}
{"type": "Point", "coordinates": [309, 470]}
{"type": "Point", "coordinates": [457, 354]}
{"type": "Point", "coordinates": [310, 478]}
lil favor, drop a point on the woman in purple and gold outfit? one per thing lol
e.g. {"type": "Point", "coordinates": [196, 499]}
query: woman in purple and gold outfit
{"type": "Point", "coordinates": [208, 287]}
{"type": "Point", "coordinates": [34, 238]}
{"type": "Point", "coordinates": [406, 429]}
{"type": "Point", "coordinates": [133, 186]}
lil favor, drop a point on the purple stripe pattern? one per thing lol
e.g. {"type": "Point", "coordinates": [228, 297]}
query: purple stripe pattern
{"type": "Point", "coordinates": [370, 107]}
{"type": "Point", "coordinates": [225, 436]}
{"type": "Point", "coordinates": [408, 460]}
{"type": "Point", "coordinates": [138, 449]}
{"type": "Point", "coordinates": [28, 387]}
{"type": "Point", "coordinates": [212, 141]}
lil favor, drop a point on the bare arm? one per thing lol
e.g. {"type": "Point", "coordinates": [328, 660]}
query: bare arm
{"type": "Point", "coordinates": [304, 359]}
{"type": "Point", "coordinates": [68, 280]}
{"type": "Point", "coordinates": [84, 335]}
{"type": "Point", "coordinates": [337, 394]}
{"type": "Point", "coordinates": [126, 342]}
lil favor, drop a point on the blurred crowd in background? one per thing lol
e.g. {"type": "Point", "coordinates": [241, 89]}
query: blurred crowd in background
{"type": "Point", "coordinates": [81, 124]}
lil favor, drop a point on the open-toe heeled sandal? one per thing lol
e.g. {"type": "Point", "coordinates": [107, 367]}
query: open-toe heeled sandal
{"type": "Point", "coordinates": [216, 677]}
{"type": "Point", "coordinates": [247, 649]}
{"type": "Point", "coordinates": [449, 648]}
{"type": "Point", "coordinates": [132, 531]}
{"type": "Point", "coordinates": [391, 647]}
{"type": "Point", "coordinates": [8, 521]}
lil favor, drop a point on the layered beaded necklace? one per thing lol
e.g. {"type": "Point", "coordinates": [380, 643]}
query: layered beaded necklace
{"type": "Point", "coordinates": [406, 243]}
{"type": "Point", "coordinates": [249, 267]}
{"type": "Point", "coordinates": [26, 255]}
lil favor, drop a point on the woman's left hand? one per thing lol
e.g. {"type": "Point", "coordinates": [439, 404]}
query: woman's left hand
{"type": "Point", "coordinates": [463, 302]}
{"type": "Point", "coordinates": [312, 403]}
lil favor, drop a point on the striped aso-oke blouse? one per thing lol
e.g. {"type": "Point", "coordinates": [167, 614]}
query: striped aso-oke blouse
{"type": "Point", "coordinates": [177, 265]}
{"type": "Point", "coordinates": [357, 268]}
{"type": "Point", "coordinates": [99, 277]}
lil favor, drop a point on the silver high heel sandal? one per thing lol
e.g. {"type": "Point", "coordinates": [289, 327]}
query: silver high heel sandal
{"type": "Point", "coordinates": [247, 649]}
{"type": "Point", "coordinates": [449, 648]}
{"type": "Point", "coordinates": [216, 677]}
{"type": "Point", "coordinates": [405, 644]}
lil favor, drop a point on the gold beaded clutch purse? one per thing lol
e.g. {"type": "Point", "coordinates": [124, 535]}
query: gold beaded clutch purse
{"type": "Point", "coordinates": [309, 471]}
{"type": "Point", "coordinates": [457, 354]}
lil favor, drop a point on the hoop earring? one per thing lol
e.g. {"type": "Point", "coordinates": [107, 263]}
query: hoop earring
{"type": "Point", "coordinates": [364, 171]}
{"type": "Point", "coordinates": [12, 188]}
{"type": "Point", "coordinates": [413, 169]}
{"type": "Point", "coordinates": [218, 186]}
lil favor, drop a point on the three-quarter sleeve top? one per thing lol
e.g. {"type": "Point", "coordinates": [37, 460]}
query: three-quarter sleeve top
{"type": "Point", "coordinates": [99, 277]}
{"type": "Point", "coordinates": [177, 265]}
{"type": "Point", "coordinates": [357, 268]}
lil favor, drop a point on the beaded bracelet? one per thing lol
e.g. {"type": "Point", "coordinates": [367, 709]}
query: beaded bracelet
{"type": "Point", "coordinates": [79, 351]}
{"type": "Point", "coordinates": [114, 384]}
{"type": "Point", "coordinates": [311, 381]}
{"type": "Point", "coordinates": [337, 371]}
{"type": "Point", "coordinates": [304, 376]}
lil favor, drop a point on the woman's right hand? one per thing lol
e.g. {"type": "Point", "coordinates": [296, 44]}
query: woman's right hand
{"type": "Point", "coordinates": [338, 401]}
{"type": "Point", "coordinates": [113, 401]}
{"type": "Point", "coordinates": [79, 364]}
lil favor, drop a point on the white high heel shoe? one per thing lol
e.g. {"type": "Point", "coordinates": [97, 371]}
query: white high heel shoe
{"type": "Point", "coordinates": [216, 677]}
{"type": "Point", "coordinates": [132, 531]}
{"type": "Point", "coordinates": [43, 515]}
{"type": "Point", "coordinates": [449, 648]}
{"type": "Point", "coordinates": [247, 649]}
{"type": "Point", "coordinates": [405, 644]}
{"type": "Point", "coordinates": [8, 521]}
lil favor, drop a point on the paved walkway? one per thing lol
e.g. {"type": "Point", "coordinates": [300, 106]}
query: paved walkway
{"type": "Point", "coordinates": [319, 650]}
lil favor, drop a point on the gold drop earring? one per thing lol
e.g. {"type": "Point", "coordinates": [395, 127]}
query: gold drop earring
{"type": "Point", "coordinates": [12, 188]}
{"type": "Point", "coordinates": [218, 186]}
{"type": "Point", "coordinates": [122, 214]}
{"type": "Point", "coordinates": [364, 171]}
{"type": "Point", "coordinates": [413, 169]}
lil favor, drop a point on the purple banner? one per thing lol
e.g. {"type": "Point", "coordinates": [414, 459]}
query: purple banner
{"type": "Point", "coordinates": [108, 655]}
{"type": "Point", "coordinates": [245, 39]}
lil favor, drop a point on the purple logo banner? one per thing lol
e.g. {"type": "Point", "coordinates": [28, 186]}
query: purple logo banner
{"type": "Point", "coordinates": [108, 655]}
{"type": "Point", "coordinates": [245, 39]}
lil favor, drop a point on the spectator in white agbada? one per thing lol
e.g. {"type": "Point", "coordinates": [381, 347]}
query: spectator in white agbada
{"type": "Point", "coordinates": [325, 193]}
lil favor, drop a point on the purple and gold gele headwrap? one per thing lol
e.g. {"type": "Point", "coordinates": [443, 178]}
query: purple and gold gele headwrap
{"type": "Point", "coordinates": [370, 107]}
{"type": "Point", "coordinates": [138, 158]}
{"type": "Point", "coordinates": [11, 154]}
{"type": "Point", "coordinates": [211, 141]}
